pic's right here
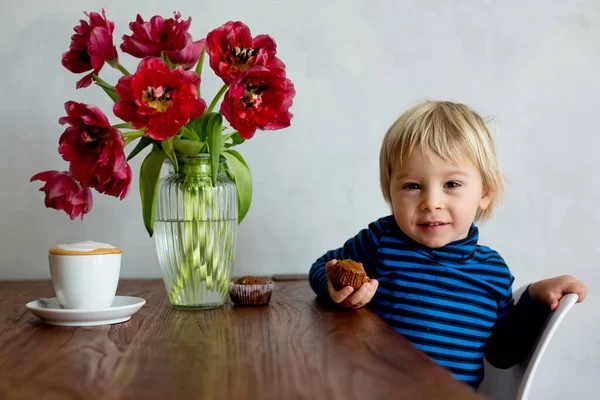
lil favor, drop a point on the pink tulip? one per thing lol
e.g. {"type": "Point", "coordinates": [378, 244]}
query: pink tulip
{"type": "Point", "coordinates": [189, 55]}
{"type": "Point", "coordinates": [63, 192]}
{"type": "Point", "coordinates": [91, 46]}
{"type": "Point", "coordinates": [95, 150]}
{"type": "Point", "coordinates": [151, 38]}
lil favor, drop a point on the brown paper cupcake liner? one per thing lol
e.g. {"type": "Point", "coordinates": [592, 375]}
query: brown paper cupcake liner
{"type": "Point", "coordinates": [251, 295]}
{"type": "Point", "coordinates": [340, 278]}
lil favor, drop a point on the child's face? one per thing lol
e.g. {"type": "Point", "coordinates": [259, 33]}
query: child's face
{"type": "Point", "coordinates": [435, 202]}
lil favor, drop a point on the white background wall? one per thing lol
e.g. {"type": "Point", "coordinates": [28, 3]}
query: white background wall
{"type": "Point", "coordinates": [534, 65]}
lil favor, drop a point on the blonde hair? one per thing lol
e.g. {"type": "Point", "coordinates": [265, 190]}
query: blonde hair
{"type": "Point", "coordinates": [451, 131]}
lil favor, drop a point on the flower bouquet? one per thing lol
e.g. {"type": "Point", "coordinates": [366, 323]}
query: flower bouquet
{"type": "Point", "coordinates": [194, 211]}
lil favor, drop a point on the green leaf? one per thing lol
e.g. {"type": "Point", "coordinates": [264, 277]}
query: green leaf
{"type": "Point", "coordinates": [167, 146]}
{"type": "Point", "coordinates": [236, 139]}
{"type": "Point", "coordinates": [189, 133]}
{"type": "Point", "coordinates": [199, 124]}
{"type": "Point", "coordinates": [128, 140]}
{"type": "Point", "coordinates": [187, 147]}
{"type": "Point", "coordinates": [144, 142]}
{"type": "Point", "coordinates": [125, 125]}
{"type": "Point", "coordinates": [243, 181]}
{"type": "Point", "coordinates": [132, 135]}
{"type": "Point", "coordinates": [149, 176]}
{"type": "Point", "coordinates": [215, 142]}
{"type": "Point", "coordinates": [225, 169]}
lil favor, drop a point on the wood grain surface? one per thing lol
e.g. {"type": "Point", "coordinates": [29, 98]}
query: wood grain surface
{"type": "Point", "coordinates": [297, 347]}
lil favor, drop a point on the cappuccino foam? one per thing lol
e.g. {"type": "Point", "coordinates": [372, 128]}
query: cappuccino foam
{"type": "Point", "coordinates": [84, 249]}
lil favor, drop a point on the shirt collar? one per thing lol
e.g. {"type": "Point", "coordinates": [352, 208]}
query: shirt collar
{"type": "Point", "coordinates": [457, 251]}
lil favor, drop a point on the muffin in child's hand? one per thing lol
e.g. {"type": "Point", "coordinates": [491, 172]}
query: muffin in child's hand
{"type": "Point", "coordinates": [346, 273]}
{"type": "Point", "coordinates": [251, 291]}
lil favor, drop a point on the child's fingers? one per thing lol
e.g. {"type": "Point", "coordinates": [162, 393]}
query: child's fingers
{"type": "Point", "coordinates": [373, 285]}
{"type": "Point", "coordinates": [356, 297]}
{"type": "Point", "coordinates": [362, 296]}
{"type": "Point", "coordinates": [577, 287]}
{"type": "Point", "coordinates": [550, 291]}
{"type": "Point", "coordinates": [337, 296]}
{"type": "Point", "coordinates": [582, 295]}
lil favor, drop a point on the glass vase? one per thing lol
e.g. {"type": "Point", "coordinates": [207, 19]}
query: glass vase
{"type": "Point", "coordinates": [195, 228]}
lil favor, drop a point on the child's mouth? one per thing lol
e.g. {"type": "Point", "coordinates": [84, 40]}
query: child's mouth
{"type": "Point", "coordinates": [430, 226]}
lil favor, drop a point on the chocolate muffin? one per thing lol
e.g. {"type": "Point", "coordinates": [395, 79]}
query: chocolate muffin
{"type": "Point", "coordinates": [250, 280]}
{"type": "Point", "coordinates": [346, 273]}
{"type": "Point", "coordinates": [251, 291]}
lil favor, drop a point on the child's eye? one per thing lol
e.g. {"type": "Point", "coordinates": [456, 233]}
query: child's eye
{"type": "Point", "coordinates": [411, 186]}
{"type": "Point", "coordinates": [452, 185]}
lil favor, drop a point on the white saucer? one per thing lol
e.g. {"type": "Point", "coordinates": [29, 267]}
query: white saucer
{"type": "Point", "coordinates": [49, 310]}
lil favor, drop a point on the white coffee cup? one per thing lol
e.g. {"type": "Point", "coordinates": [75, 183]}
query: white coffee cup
{"type": "Point", "coordinates": [85, 275]}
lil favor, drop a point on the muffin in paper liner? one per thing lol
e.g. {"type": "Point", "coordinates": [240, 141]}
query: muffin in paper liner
{"type": "Point", "coordinates": [346, 273]}
{"type": "Point", "coordinates": [249, 293]}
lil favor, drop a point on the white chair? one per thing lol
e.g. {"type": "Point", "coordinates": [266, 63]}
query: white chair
{"type": "Point", "coordinates": [515, 383]}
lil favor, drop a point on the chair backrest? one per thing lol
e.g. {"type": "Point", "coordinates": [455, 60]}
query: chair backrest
{"type": "Point", "coordinates": [566, 303]}
{"type": "Point", "coordinates": [516, 381]}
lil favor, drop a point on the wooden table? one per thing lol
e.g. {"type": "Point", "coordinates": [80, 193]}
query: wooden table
{"type": "Point", "coordinates": [295, 348]}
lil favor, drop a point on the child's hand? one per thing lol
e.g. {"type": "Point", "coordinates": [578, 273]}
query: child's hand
{"type": "Point", "coordinates": [347, 297]}
{"type": "Point", "coordinates": [550, 291]}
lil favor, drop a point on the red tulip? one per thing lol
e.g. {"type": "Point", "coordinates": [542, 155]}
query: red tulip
{"type": "Point", "coordinates": [158, 98]}
{"type": "Point", "coordinates": [233, 51]}
{"type": "Point", "coordinates": [171, 36]}
{"type": "Point", "coordinates": [260, 100]}
{"type": "Point", "coordinates": [63, 192]}
{"type": "Point", "coordinates": [119, 183]}
{"type": "Point", "coordinates": [91, 46]}
{"type": "Point", "coordinates": [94, 150]}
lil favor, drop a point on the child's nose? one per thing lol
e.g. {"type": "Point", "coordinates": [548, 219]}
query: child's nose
{"type": "Point", "coordinates": [431, 200]}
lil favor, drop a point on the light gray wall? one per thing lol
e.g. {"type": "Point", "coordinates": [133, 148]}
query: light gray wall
{"type": "Point", "coordinates": [532, 64]}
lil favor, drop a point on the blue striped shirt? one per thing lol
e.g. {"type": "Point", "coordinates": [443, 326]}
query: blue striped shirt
{"type": "Point", "coordinates": [447, 301]}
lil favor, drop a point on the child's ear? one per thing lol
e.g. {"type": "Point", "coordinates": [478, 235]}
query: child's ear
{"type": "Point", "coordinates": [486, 199]}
